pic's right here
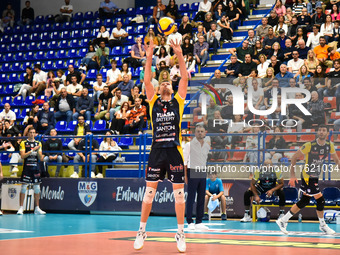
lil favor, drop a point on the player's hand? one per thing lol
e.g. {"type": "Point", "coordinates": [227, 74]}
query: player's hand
{"type": "Point", "coordinates": [149, 48]}
{"type": "Point", "coordinates": [176, 46]}
{"type": "Point", "coordinates": [214, 198]}
{"type": "Point", "coordinates": [257, 199]}
{"type": "Point", "coordinates": [269, 193]}
{"type": "Point", "coordinates": [292, 181]}
{"type": "Point", "coordinates": [36, 148]}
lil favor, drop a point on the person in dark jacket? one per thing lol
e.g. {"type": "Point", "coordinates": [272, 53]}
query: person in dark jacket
{"type": "Point", "coordinates": [64, 106]}
{"type": "Point", "coordinates": [84, 106]}
{"type": "Point", "coordinates": [277, 142]}
{"type": "Point", "coordinates": [45, 119]}
{"type": "Point", "coordinates": [53, 144]}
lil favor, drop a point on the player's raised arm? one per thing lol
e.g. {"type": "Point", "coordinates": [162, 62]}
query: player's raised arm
{"type": "Point", "coordinates": [183, 83]}
{"type": "Point", "coordinates": [147, 75]}
{"type": "Point", "coordinates": [295, 157]}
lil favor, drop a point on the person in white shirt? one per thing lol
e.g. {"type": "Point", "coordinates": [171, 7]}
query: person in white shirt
{"type": "Point", "coordinates": [195, 159]}
{"type": "Point", "coordinates": [118, 36]}
{"type": "Point", "coordinates": [103, 35]}
{"type": "Point", "coordinates": [213, 37]}
{"type": "Point", "coordinates": [8, 114]}
{"type": "Point", "coordinates": [74, 88]}
{"type": "Point", "coordinates": [65, 13]}
{"type": "Point", "coordinates": [295, 63]}
{"type": "Point", "coordinates": [175, 36]}
{"type": "Point", "coordinates": [39, 81]}
{"type": "Point", "coordinates": [257, 95]}
{"type": "Point", "coordinates": [327, 29]}
{"type": "Point", "coordinates": [263, 66]}
{"type": "Point", "coordinates": [117, 102]}
{"type": "Point", "coordinates": [203, 8]}
{"type": "Point", "coordinates": [113, 76]}
{"type": "Point", "coordinates": [98, 86]}
{"type": "Point", "coordinates": [313, 38]}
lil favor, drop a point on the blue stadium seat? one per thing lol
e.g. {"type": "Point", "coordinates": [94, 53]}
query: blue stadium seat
{"type": "Point", "coordinates": [149, 10]}
{"type": "Point", "coordinates": [9, 89]}
{"type": "Point", "coordinates": [18, 30]}
{"type": "Point", "coordinates": [84, 43]}
{"type": "Point", "coordinates": [60, 64]}
{"type": "Point", "coordinates": [55, 35]}
{"type": "Point", "coordinates": [88, 15]}
{"type": "Point", "coordinates": [5, 157]}
{"type": "Point", "coordinates": [97, 23]}
{"type": "Point", "coordinates": [86, 33]}
{"type": "Point", "coordinates": [40, 55]}
{"type": "Point", "coordinates": [6, 39]}
{"type": "Point", "coordinates": [116, 50]}
{"type": "Point", "coordinates": [131, 12]}
{"type": "Point", "coordinates": [39, 19]}
{"type": "Point", "coordinates": [27, 29]}
{"type": "Point", "coordinates": [29, 100]}
{"type": "Point", "coordinates": [19, 56]}
{"type": "Point", "coordinates": [126, 50]}
{"type": "Point", "coordinates": [18, 101]}
{"type": "Point", "coordinates": [74, 43]}
{"type": "Point", "coordinates": [26, 64]}
{"type": "Point", "coordinates": [61, 126]}
{"type": "Point", "coordinates": [36, 28]}
{"type": "Point", "coordinates": [71, 126]}
{"type": "Point", "coordinates": [29, 56]}
{"type": "Point", "coordinates": [82, 52]}
{"type": "Point", "coordinates": [127, 21]}
{"type": "Point", "coordinates": [45, 36]}
{"type": "Point", "coordinates": [331, 195]}
{"type": "Point", "coordinates": [73, 53]}
{"type": "Point", "coordinates": [2, 89]}
{"type": "Point", "coordinates": [141, 29]}
{"type": "Point", "coordinates": [3, 48]}
{"type": "Point", "coordinates": [3, 78]}
{"type": "Point", "coordinates": [49, 18]}
{"type": "Point", "coordinates": [78, 16]}
{"type": "Point", "coordinates": [61, 54]}
{"type": "Point", "coordinates": [25, 38]}
{"type": "Point", "coordinates": [17, 112]}
{"type": "Point", "coordinates": [140, 11]}
{"type": "Point", "coordinates": [66, 35]}
{"type": "Point", "coordinates": [48, 65]}
{"type": "Point", "coordinates": [48, 27]}
{"type": "Point", "coordinates": [16, 38]}
{"type": "Point", "coordinates": [9, 57]}
{"type": "Point", "coordinates": [95, 31]}
{"type": "Point", "coordinates": [194, 6]}
{"type": "Point", "coordinates": [35, 37]}
{"type": "Point", "coordinates": [24, 113]}
{"type": "Point", "coordinates": [53, 45]}
{"type": "Point", "coordinates": [43, 45]}
{"type": "Point", "coordinates": [131, 70]}
{"type": "Point", "coordinates": [5, 67]}
{"type": "Point", "coordinates": [72, 62]}
{"type": "Point", "coordinates": [137, 71]}
{"type": "Point", "coordinates": [89, 122]}
{"type": "Point", "coordinates": [57, 27]}
{"type": "Point", "coordinates": [99, 125]}
{"type": "Point", "coordinates": [130, 30]}
{"type": "Point", "coordinates": [108, 23]}
{"type": "Point", "coordinates": [22, 75]}
{"type": "Point", "coordinates": [13, 47]}
{"type": "Point", "coordinates": [116, 20]}
{"type": "Point", "coordinates": [92, 74]}
{"type": "Point", "coordinates": [13, 78]}
{"type": "Point", "coordinates": [184, 7]}
{"type": "Point", "coordinates": [103, 72]}
{"type": "Point", "coordinates": [119, 61]}
{"type": "Point", "coordinates": [16, 67]}
{"type": "Point", "coordinates": [87, 24]}
{"type": "Point", "coordinates": [67, 26]}
{"type": "Point", "coordinates": [50, 54]}
{"type": "Point", "coordinates": [5, 100]}
{"type": "Point", "coordinates": [77, 25]}
{"type": "Point", "coordinates": [125, 141]}
{"type": "Point", "coordinates": [33, 46]}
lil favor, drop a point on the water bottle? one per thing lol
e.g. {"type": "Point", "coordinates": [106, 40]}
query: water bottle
{"type": "Point", "coordinates": [300, 217]}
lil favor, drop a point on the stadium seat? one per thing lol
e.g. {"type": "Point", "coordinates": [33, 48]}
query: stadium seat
{"type": "Point", "coordinates": [29, 100]}
{"type": "Point", "coordinates": [51, 54]}
{"type": "Point", "coordinates": [17, 112]}
{"type": "Point", "coordinates": [19, 56]}
{"type": "Point", "coordinates": [25, 38]}
{"type": "Point", "coordinates": [57, 27]}
{"type": "Point", "coordinates": [2, 89]}
{"type": "Point", "coordinates": [137, 71]}
{"type": "Point", "coordinates": [64, 44]}
{"type": "Point", "coordinates": [3, 48]}
{"type": "Point", "coordinates": [21, 76]}
{"type": "Point", "coordinates": [77, 25]}
{"type": "Point", "coordinates": [49, 18]}
{"type": "Point", "coordinates": [48, 65]}
{"type": "Point", "coordinates": [140, 29]}
{"type": "Point", "coordinates": [116, 20]}
{"type": "Point", "coordinates": [35, 37]}
{"type": "Point", "coordinates": [108, 23]}
{"type": "Point", "coordinates": [72, 62]}
{"type": "Point", "coordinates": [331, 195]}
{"type": "Point", "coordinates": [127, 21]}
{"type": "Point", "coordinates": [130, 39]}
{"type": "Point", "coordinates": [3, 78]}
{"type": "Point", "coordinates": [5, 157]}
{"type": "Point", "coordinates": [88, 15]}
{"type": "Point", "coordinates": [194, 6]}
{"type": "Point", "coordinates": [32, 46]}
{"type": "Point", "coordinates": [60, 64]}
{"type": "Point", "coordinates": [78, 16]}
{"type": "Point", "coordinates": [53, 45]}
{"type": "Point", "coordinates": [16, 38]}
{"type": "Point", "coordinates": [87, 24]}
{"type": "Point", "coordinates": [82, 52]}
{"type": "Point", "coordinates": [141, 11]}
{"type": "Point", "coordinates": [184, 7]}
{"type": "Point", "coordinates": [125, 141]}
{"type": "Point", "coordinates": [238, 156]}
{"type": "Point", "coordinates": [66, 35]}
{"type": "Point", "coordinates": [126, 50]}
{"type": "Point", "coordinates": [29, 56]}
{"type": "Point", "coordinates": [18, 101]}
{"type": "Point", "coordinates": [97, 23]}
{"type": "Point", "coordinates": [306, 138]}
{"type": "Point", "coordinates": [84, 43]}
{"type": "Point", "coordinates": [55, 35]}
{"type": "Point", "coordinates": [331, 101]}
{"type": "Point", "coordinates": [43, 46]}
{"type": "Point", "coordinates": [26, 64]}
{"type": "Point", "coordinates": [6, 39]}
{"type": "Point", "coordinates": [13, 47]}
{"type": "Point", "coordinates": [16, 67]}
{"type": "Point", "coordinates": [86, 33]}
{"type": "Point", "coordinates": [92, 74]}
{"type": "Point", "coordinates": [103, 72]}
{"type": "Point", "coordinates": [61, 54]}
{"type": "Point", "coordinates": [5, 67]}
{"type": "Point", "coordinates": [13, 78]}
{"type": "Point", "coordinates": [71, 126]}
{"type": "Point", "coordinates": [67, 26]}
{"type": "Point", "coordinates": [130, 30]}
{"type": "Point", "coordinates": [116, 50]}
{"type": "Point", "coordinates": [73, 53]}
{"type": "Point", "coordinates": [47, 27]}
{"type": "Point", "coordinates": [40, 55]}
{"type": "Point", "coordinates": [24, 113]}
{"type": "Point", "coordinates": [89, 122]}
{"type": "Point", "coordinates": [335, 115]}
{"type": "Point", "coordinates": [61, 126]}
{"type": "Point", "coordinates": [8, 58]}
{"type": "Point", "coordinates": [6, 100]}
{"type": "Point", "coordinates": [39, 19]}
{"type": "Point", "coordinates": [291, 195]}
{"type": "Point", "coordinates": [99, 125]}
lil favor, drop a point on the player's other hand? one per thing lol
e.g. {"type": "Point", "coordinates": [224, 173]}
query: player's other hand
{"type": "Point", "coordinates": [292, 181]}
{"type": "Point", "coordinates": [257, 199]}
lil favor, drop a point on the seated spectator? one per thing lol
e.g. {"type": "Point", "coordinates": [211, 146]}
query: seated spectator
{"type": "Point", "coordinates": [214, 37]}
{"type": "Point", "coordinates": [316, 108]}
{"type": "Point", "coordinates": [27, 15]}
{"type": "Point", "coordinates": [163, 56]}
{"type": "Point", "coordinates": [263, 66]}
{"type": "Point", "coordinates": [327, 29]}
{"type": "Point", "coordinates": [121, 117]}
{"type": "Point", "coordinates": [268, 78]}
{"type": "Point", "coordinates": [64, 107]}
{"type": "Point", "coordinates": [65, 13]}
{"type": "Point", "coordinates": [98, 86]}
{"type": "Point", "coordinates": [171, 10]}
{"type": "Point", "coordinates": [113, 76]}
{"type": "Point", "coordinates": [219, 12]}
{"type": "Point", "coordinates": [141, 75]}
{"type": "Point", "coordinates": [313, 38]}
{"type": "Point", "coordinates": [158, 12]}
{"type": "Point", "coordinates": [300, 36]}
{"type": "Point", "coordinates": [336, 31]}
{"type": "Point", "coordinates": [319, 79]}
{"type": "Point", "coordinates": [311, 6]}
{"type": "Point", "coordinates": [104, 104]}
{"type": "Point", "coordinates": [318, 17]}
{"type": "Point", "coordinates": [275, 51]}
{"type": "Point", "coordinates": [273, 19]}
{"type": "Point", "coordinates": [232, 69]}
{"type": "Point", "coordinates": [137, 54]}
{"type": "Point", "coordinates": [216, 125]}
{"type": "Point", "coordinates": [258, 50]}
{"type": "Point", "coordinates": [214, 190]}
{"type": "Point", "coordinates": [31, 119]}
{"type": "Point", "coordinates": [322, 53]}
{"type": "Point", "coordinates": [118, 36]}
{"type": "Point", "coordinates": [201, 51]}
{"type": "Point", "coordinates": [292, 84]}
{"type": "Point", "coordinates": [53, 144]}
{"type": "Point", "coordinates": [162, 43]}
{"type": "Point", "coordinates": [295, 114]}
{"type": "Point", "coordinates": [8, 114]}
{"type": "Point", "coordinates": [233, 15]}
{"type": "Point", "coordinates": [268, 94]}
{"type": "Point", "coordinates": [211, 109]}
{"type": "Point", "coordinates": [57, 85]}
{"type": "Point", "coordinates": [247, 66]}
{"type": "Point", "coordinates": [107, 9]}
{"type": "Point", "coordinates": [298, 7]}
{"type": "Point", "coordinates": [335, 12]}
{"type": "Point", "coordinates": [117, 102]}
{"type": "Point", "coordinates": [108, 144]}
{"type": "Point", "coordinates": [7, 18]}
{"type": "Point", "coordinates": [45, 119]}
{"type": "Point", "coordinates": [280, 25]}
{"type": "Point", "coordinates": [281, 39]}
{"type": "Point", "coordinates": [200, 32]}
{"type": "Point", "coordinates": [207, 22]}
{"type": "Point", "coordinates": [89, 61]}
{"type": "Point", "coordinates": [81, 129]}
{"type": "Point", "coordinates": [304, 19]}
{"type": "Point", "coordinates": [162, 67]}
{"type": "Point", "coordinates": [293, 28]}
{"type": "Point", "coordinates": [302, 49]}
{"type": "Point", "coordinates": [217, 79]}
{"type": "Point", "coordinates": [252, 39]}
{"type": "Point", "coordinates": [136, 118]}
{"type": "Point", "coordinates": [333, 81]}
{"type": "Point", "coordinates": [302, 74]}
{"type": "Point", "coordinates": [150, 35]}
{"type": "Point", "coordinates": [126, 86]}
{"type": "Point", "coordinates": [269, 40]}
{"type": "Point", "coordinates": [190, 64]}
{"type": "Point", "coordinates": [187, 47]}
{"type": "Point", "coordinates": [308, 85]}
{"type": "Point", "coordinates": [74, 89]}
{"type": "Point", "coordinates": [311, 62]}
{"type": "Point", "coordinates": [280, 9]}
{"type": "Point", "coordinates": [39, 81]}
{"type": "Point", "coordinates": [289, 15]}
{"type": "Point", "coordinates": [49, 87]}
{"type": "Point", "coordinates": [103, 35]}
{"type": "Point", "coordinates": [72, 72]}
{"type": "Point", "coordinates": [275, 64]}
{"type": "Point", "coordinates": [185, 29]}
{"type": "Point", "coordinates": [203, 8]}
{"type": "Point", "coordinates": [83, 157]}
{"type": "Point", "coordinates": [125, 70]}
{"type": "Point", "coordinates": [223, 26]}
{"type": "Point", "coordinates": [333, 54]}
{"type": "Point", "coordinates": [10, 130]}
{"type": "Point", "coordinates": [84, 106]}
{"type": "Point", "coordinates": [242, 51]}
{"type": "Point", "coordinates": [175, 36]}
{"type": "Point", "coordinates": [288, 51]}
{"type": "Point", "coordinates": [102, 55]}
{"type": "Point", "coordinates": [283, 76]}
{"type": "Point", "coordinates": [27, 84]}
{"type": "Point", "coordinates": [262, 30]}
{"type": "Point", "coordinates": [175, 75]}
{"type": "Point", "coordinates": [136, 93]}
{"type": "Point", "coordinates": [295, 64]}
{"type": "Point", "coordinates": [15, 158]}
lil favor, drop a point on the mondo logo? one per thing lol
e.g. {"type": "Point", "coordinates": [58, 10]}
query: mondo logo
{"type": "Point", "coordinates": [87, 192]}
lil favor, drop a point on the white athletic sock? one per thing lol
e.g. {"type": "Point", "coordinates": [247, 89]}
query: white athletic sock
{"type": "Point", "coordinates": [322, 221]}
{"type": "Point", "coordinates": [287, 216]}
{"type": "Point", "coordinates": [142, 226]}
{"type": "Point", "coordinates": [180, 228]}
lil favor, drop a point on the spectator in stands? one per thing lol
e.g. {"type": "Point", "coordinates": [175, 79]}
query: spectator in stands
{"type": "Point", "coordinates": [316, 108]}
{"type": "Point", "coordinates": [83, 157]}
{"type": "Point", "coordinates": [233, 14]}
{"type": "Point", "coordinates": [322, 53]}
{"type": "Point", "coordinates": [117, 101]}
{"type": "Point", "coordinates": [136, 93]}
{"type": "Point", "coordinates": [232, 69]}
{"type": "Point", "coordinates": [275, 64]}
{"type": "Point", "coordinates": [335, 13]}
{"type": "Point", "coordinates": [302, 74]}
{"type": "Point", "coordinates": [64, 107]}
{"type": "Point", "coordinates": [288, 16]}
{"type": "Point", "coordinates": [275, 51]}
{"type": "Point", "coordinates": [27, 14]}
{"type": "Point", "coordinates": [136, 118]}
{"type": "Point", "coordinates": [308, 85]}
{"type": "Point", "coordinates": [295, 64]}
{"type": "Point", "coordinates": [185, 29]}
{"type": "Point", "coordinates": [187, 48]}
{"type": "Point", "coordinates": [102, 55]}
{"type": "Point", "coordinates": [288, 51]}
{"type": "Point", "coordinates": [302, 49]}
{"type": "Point", "coordinates": [57, 85]}
{"type": "Point", "coordinates": [283, 76]}
{"type": "Point", "coordinates": [125, 70]}
{"type": "Point", "coordinates": [319, 79]}
{"type": "Point", "coordinates": [150, 36]}
{"type": "Point", "coordinates": [201, 51]}
{"type": "Point", "coordinates": [241, 52]}
{"type": "Point", "coordinates": [107, 9]}
{"type": "Point", "coordinates": [141, 75]}
{"type": "Point", "coordinates": [213, 107]}
{"type": "Point", "coordinates": [314, 38]}
{"type": "Point", "coordinates": [45, 119]}
{"type": "Point", "coordinates": [217, 125]}
{"type": "Point", "coordinates": [89, 61]}
{"type": "Point", "coordinates": [207, 22]}
{"type": "Point", "coordinates": [262, 30]}
{"type": "Point", "coordinates": [15, 158]}
{"type": "Point", "coordinates": [175, 75]}
{"type": "Point", "coordinates": [263, 66]}
{"type": "Point", "coordinates": [31, 120]}
{"type": "Point", "coordinates": [137, 54]}
{"type": "Point", "coordinates": [98, 86]}
{"type": "Point", "coordinates": [280, 26]}
{"type": "Point", "coordinates": [53, 144]}
{"type": "Point", "coordinates": [252, 144]}
{"type": "Point", "coordinates": [113, 76]}
{"type": "Point", "coordinates": [311, 6]}
{"type": "Point", "coordinates": [203, 8]}
{"type": "Point", "coordinates": [214, 37]}
{"type": "Point", "coordinates": [227, 109]}
{"type": "Point", "coordinates": [103, 35]}
{"type": "Point", "coordinates": [268, 94]}
{"type": "Point", "coordinates": [49, 87]}
{"type": "Point", "coordinates": [327, 29]}
{"type": "Point", "coordinates": [84, 106]}
{"type": "Point", "coordinates": [292, 84]}
{"type": "Point", "coordinates": [121, 116]}
{"type": "Point", "coordinates": [247, 66]}
{"type": "Point", "coordinates": [270, 39]}
{"type": "Point", "coordinates": [280, 9]}
{"type": "Point", "coordinates": [162, 67]}
{"type": "Point", "coordinates": [319, 17]}
{"type": "Point", "coordinates": [311, 62]}
{"type": "Point", "coordinates": [333, 54]}
{"type": "Point", "coordinates": [171, 10]}
{"type": "Point", "coordinates": [252, 39]}
{"type": "Point", "coordinates": [223, 26]}
{"type": "Point", "coordinates": [104, 104]}
{"type": "Point", "coordinates": [304, 19]}
{"type": "Point", "coordinates": [10, 130]}
{"type": "Point", "coordinates": [174, 36]}
{"type": "Point", "coordinates": [281, 39]}
{"type": "Point", "coordinates": [270, 76]}
{"type": "Point", "coordinates": [8, 17]}
{"type": "Point", "coordinates": [108, 144]}
{"type": "Point", "coordinates": [273, 18]}
{"type": "Point", "coordinates": [217, 78]}
{"type": "Point", "coordinates": [65, 13]}
{"type": "Point", "coordinates": [298, 6]}
{"type": "Point", "coordinates": [300, 36]}
{"type": "Point", "coordinates": [81, 129]}
{"type": "Point", "coordinates": [200, 32]}
{"type": "Point", "coordinates": [74, 89]}
{"type": "Point", "coordinates": [71, 72]}
{"type": "Point", "coordinates": [27, 84]}
{"type": "Point", "coordinates": [333, 81]}
{"type": "Point", "coordinates": [219, 12]}
{"type": "Point", "coordinates": [39, 81]}
{"type": "Point", "coordinates": [157, 13]}
{"type": "Point", "coordinates": [258, 50]}
{"type": "Point", "coordinates": [118, 36]}
{"type": "Point", "coordinates": [126, 86]}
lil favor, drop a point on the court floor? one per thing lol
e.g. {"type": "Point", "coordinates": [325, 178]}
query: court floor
{"type": "Point", "coordinates": [114, 234]}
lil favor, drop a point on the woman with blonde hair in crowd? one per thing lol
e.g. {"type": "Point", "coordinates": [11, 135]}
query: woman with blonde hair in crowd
{"type": "Point", "coordinates": [185, 29]}
{"type": "Point", "coordinates": [311, 62]}
{"type": "Point", "coordinates": [268, 78]}
{"type": "Point", "coordinates": [258, 50]}
{"type": "Point", "coordinates": [288, 16]}
{"type": "Point", "coordinates": [302, 74]}
{"type": "Point", "coordinates": [262, 67]}
{"type": "Point", "coordinates": [149, 35]}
